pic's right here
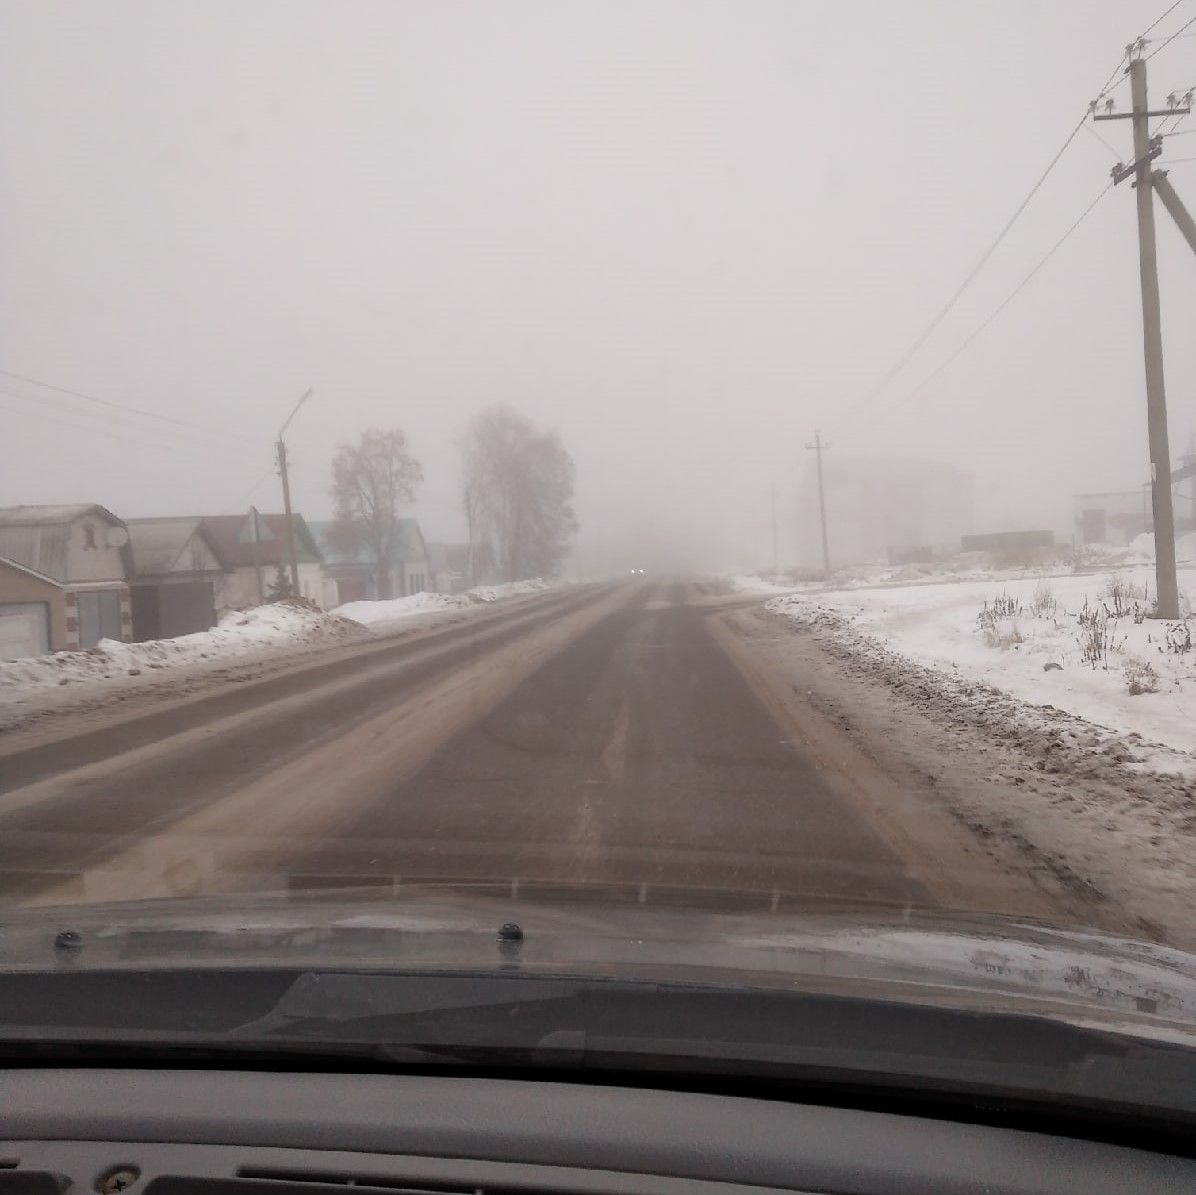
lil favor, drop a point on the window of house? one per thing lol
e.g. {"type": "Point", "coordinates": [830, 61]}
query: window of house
{"type": "Point", "coordinates": [89, 535]}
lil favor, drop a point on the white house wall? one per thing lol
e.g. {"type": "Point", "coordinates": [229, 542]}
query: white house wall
{"type": "Point", "coordinates": [98, 563]}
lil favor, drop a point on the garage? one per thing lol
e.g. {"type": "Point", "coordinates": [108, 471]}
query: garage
{"type": "Point", "coordinates": [24, 629]}
{"type": "Point", "coordinates": [170, 608]}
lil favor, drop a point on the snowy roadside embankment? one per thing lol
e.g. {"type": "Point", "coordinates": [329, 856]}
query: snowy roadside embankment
{"type": "Point", "coordinates": [1079, 644]}
{"type": "Point", "coordinates": [387, 610]}
{"type": "Point", "coordinates": [1094, 783]}
{"type": "Point", "coordinates": [750, 583]}
{"type": "Point", "coordinates": [382, 613]}
{"type": "Point", "coordinates": [508, 589]}
{"type": "Point", "coordinates": [278, 625]}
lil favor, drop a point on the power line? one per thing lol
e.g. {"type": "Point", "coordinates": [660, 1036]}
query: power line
{"type": "Point", "coordinates": [975, 270]}
{"type": "Point", "coordinates": [1160, 19]}
{"type": "Point", "coordinates": [106, 402]}
{"type": "Point", "coordinates": [120, 428]}
{"type": "Point", "coordinates": [943, 312]}
{"type": "Point", "coordinates": [1118, 69]}
{"type": "Point", "coordinates": [1164, 44]}
{"type": "Point", "coordinates": [240, 503]}
{"type": "Point", "coordinates": [1103, 142]}
{"type": "Point", "coordinates": [1017, 290]}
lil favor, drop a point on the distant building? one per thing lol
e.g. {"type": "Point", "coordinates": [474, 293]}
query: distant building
{"type": "Point", "coordinates": [1119, 516]}
{"type": "Point", "coordinates": [1112, 517]}
{"type": "Point", "coordinates": [352, 572]}
{"type": "Point", "coordinates": [177, 586]}
{"type": "Point", "coordinates": [1017, 546]}
{"type": "Point", "coordinates": [881, 509]}
{"type": "Point", "coordinates": [63, 579]}
{"type": "Point", "coordinates": [254, 548]}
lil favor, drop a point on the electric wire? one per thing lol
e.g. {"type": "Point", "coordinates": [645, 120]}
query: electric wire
{"type": "Point", "coordinates": [1013, 294]}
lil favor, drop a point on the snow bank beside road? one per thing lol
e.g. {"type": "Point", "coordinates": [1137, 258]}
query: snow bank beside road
{"type": "Point", "coordinates": [750, 583]}
{"type": "Point", "coordinates": [377, 613]}
{"type": "Point", "coordinates": [384, 611]}
{"type": "Point", "coordinates": [279, 624]}
{"type": "Point", "coordinates": [1025, 638]}
{"type": "Point", "coordinates": [495, 593]}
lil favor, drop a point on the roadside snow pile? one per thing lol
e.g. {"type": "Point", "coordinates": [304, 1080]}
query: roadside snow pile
{"type": "Point", "coordinates": [1079, 644]}
{"type": "Point", "coordinates": [288, 623]}
{"type": "Point", "coordinates": [495, 593]}
{"type": "Point", "coordinates": [1139, 550]}
{"type": "Point", "coordinates": [750, 583]}
{"type": "Point", "coordinates": [374, 613]}
{"type": "Point", "coordinates": [391, 610]}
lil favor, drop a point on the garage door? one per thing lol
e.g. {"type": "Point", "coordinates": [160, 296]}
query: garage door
{"type": "Point", "coordinates": [24, 629]}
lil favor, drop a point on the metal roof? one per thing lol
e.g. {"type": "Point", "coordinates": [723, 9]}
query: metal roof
{"type": "Point", "coordinates": [227, 534]}
{"type": "Point", "coordinates": [5, 562]}
{"type": "Point", "coordinates": [158, 543]}
{"type": "Point", "coordinates": [409, 544]}
{"type": "Point", "coordinates": [40, 516]}
{"type": "Point", "coordinates": [41, 547]}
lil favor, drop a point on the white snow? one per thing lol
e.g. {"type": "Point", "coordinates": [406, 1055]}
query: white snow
{"type": "Point", "coordinates": [240, 633]}
{"type": "Point", "coordinates": [994, 631]}
{"type": "Point", "coordinates": [750, 583]}
{"type": "Point", "coordinates": [377, 613]}
{"type": "Point", "coordinates": [496, 593]}
{"type": "Point", "coordinates": [381, 613]}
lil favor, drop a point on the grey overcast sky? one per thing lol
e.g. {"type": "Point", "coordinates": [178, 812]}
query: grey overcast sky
{"type": "Point", "coordinates": [684, 234]}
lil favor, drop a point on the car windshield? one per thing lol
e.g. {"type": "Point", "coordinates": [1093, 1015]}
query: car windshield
{"type": "Point", "coordinates": [643, 491]}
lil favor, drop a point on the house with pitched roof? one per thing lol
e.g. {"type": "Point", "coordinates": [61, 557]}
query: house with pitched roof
{"type": "Point", "coordinates": [254, 549]}
{"type": "Point", "coordinates": [352, 572]}
{"type": "Point", "coordinates": [178, 580]}
{"type": "Point", "coordinates": [64, 573]}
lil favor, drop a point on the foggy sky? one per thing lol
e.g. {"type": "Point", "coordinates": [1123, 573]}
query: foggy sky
{"type": "Point", "coordinates": [684, 234]}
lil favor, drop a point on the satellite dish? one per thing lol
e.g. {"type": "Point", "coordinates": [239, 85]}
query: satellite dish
{"type": "Point", "coordinates": [117, 537]}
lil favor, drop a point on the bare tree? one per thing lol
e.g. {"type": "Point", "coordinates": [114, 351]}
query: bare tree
{"type": "Point", "coordinates": [371, 480]}
{"type": "Point", "coordinates": [518, 493]}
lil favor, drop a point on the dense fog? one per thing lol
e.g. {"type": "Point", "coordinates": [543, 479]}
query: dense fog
{"type": "Point", "coordinates": [683, 236]}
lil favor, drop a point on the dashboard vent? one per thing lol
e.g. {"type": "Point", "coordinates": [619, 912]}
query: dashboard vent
{"type": "Point", "coordinates": [29, 1182]}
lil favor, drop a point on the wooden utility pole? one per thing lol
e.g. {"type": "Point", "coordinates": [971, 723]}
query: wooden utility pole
{"type": "Point", "coordinates": [257, 554]}
{"type": "Point", "coordinates": [281, 448]}
{"type": "Point", "coordinates": [1166, 584]}
{"type": "Point", "coordinates": [1146, 149]}
{"type": "Point", "coordinates": [292, 552]}
{"type": "Point", "coordinates": [818, 446]}
{"type": "Point", "coordinates": [1173, 204]}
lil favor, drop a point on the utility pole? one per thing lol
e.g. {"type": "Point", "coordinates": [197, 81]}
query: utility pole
{"type": "Point", "coordinates": [1175, 205]}
{"type": "Point", "coordinates": [1146, 149]}
{"type": "Point", "coordinates": [818, 446]}
{"type": "Point", "coordinates": [281, 448]}
{"type": "Point", "coordinates": [775, 566]}
{"type": "Point", "coordinates": [257, 554]}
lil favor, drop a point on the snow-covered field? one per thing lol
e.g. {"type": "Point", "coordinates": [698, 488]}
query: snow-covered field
{"type": "Point", "coordinates": [278, 625]}
{"type": "Point", "coordinates": [1077, 643]}
{"type": "Point", "coordinates": [972, 566]}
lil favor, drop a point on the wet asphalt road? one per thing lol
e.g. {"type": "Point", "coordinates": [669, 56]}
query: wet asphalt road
{"type": "Point", "coordinates": [635, 758]}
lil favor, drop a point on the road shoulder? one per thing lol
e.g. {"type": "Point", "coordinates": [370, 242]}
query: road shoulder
{"type": "Point", "coordinates": [951, 796]}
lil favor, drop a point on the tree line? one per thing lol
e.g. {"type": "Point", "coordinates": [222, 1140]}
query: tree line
{"type": "Point", "coordinates": [517, 495]}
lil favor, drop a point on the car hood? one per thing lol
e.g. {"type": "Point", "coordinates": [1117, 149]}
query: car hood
{"type": "Point", "coordinates": [923, 956]}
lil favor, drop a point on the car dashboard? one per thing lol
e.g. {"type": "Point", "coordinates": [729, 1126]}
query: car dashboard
{"type": "Point", "coordinates": [207, 1132]}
